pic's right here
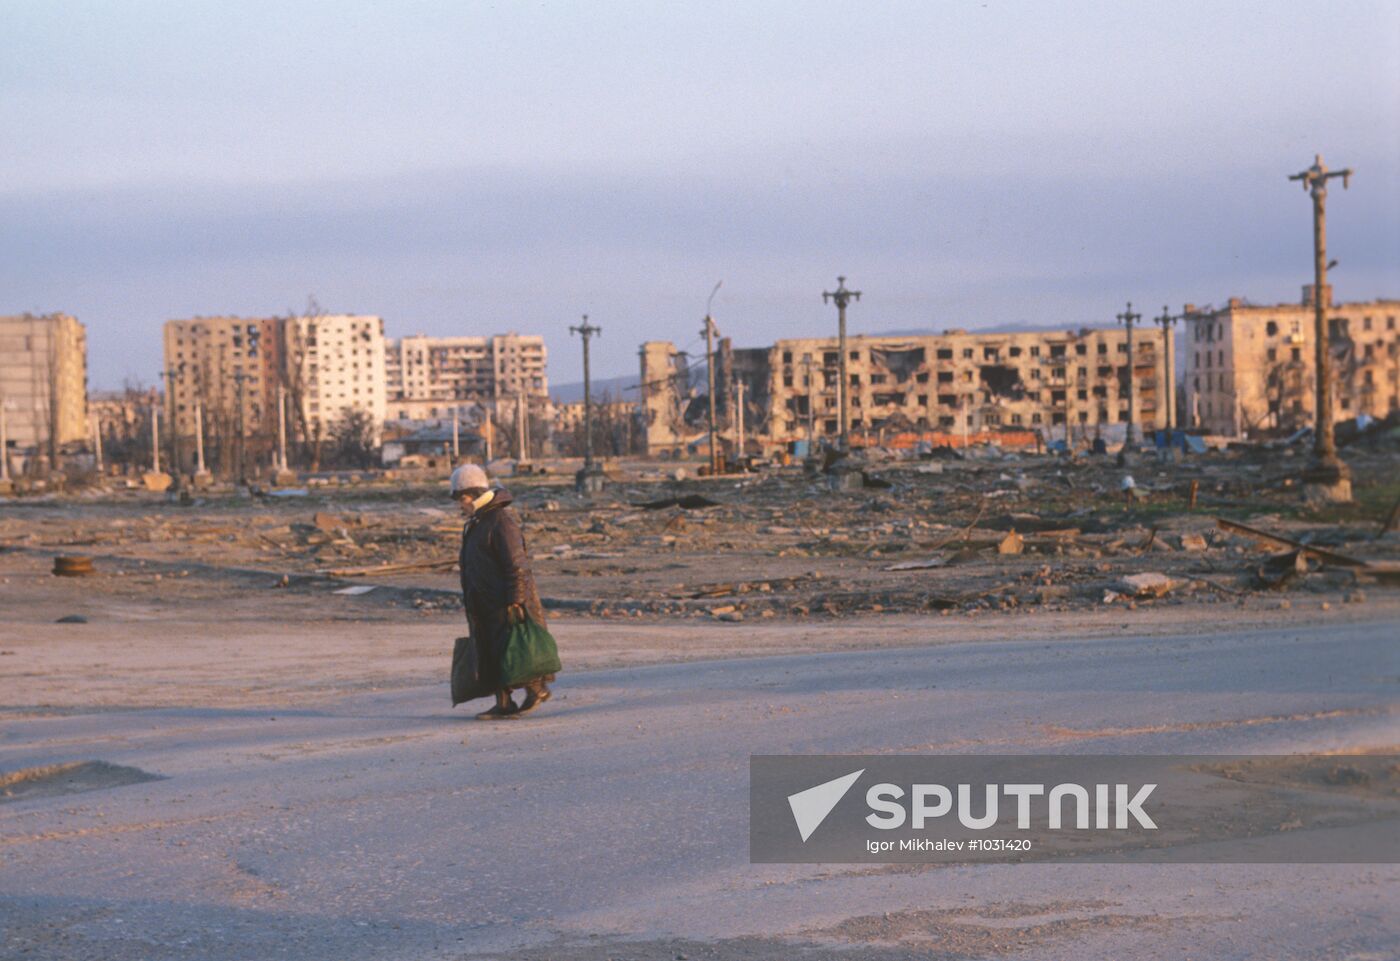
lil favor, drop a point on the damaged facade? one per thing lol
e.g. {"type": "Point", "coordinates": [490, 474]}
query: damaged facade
{"type": "Point", "coordinates": [231, 371]}
{"type": "Point", "coordinates": [1250, 368]}
{"type": "Point", "coordinates": [427, 377]}
{"type": "Point", "coordinates": [953, 388]}
{"type": "Point", "coordinates": [43, 382]}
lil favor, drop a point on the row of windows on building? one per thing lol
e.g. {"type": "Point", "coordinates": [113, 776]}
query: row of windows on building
{"type": "Point", "coordinates": [829, 379]}
{"type": "Point", "coordinates": [832, 357]}
{"type": "Point", "coordinates": [830, 426]}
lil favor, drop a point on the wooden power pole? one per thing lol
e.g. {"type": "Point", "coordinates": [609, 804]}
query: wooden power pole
{"type": "Point", "coordinates": [589, 479]}
{"type": "Point", "coordinates": [1166, 321]}
{"type": "Point", "coordinates": [1327, 478]}
{"type": "Point", "coordinates": [1127, 319]}
{"type": "Point", "coordinates": [841, 297]}
{"type": "Point", "coordinates": [709, 335]}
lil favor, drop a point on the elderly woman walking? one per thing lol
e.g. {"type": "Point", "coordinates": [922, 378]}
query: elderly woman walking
{"type": "Point", "coordinates": [498, 592]}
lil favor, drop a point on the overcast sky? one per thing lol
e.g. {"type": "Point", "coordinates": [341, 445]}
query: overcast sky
{"type": "Point", "coordinates": [462, 167]}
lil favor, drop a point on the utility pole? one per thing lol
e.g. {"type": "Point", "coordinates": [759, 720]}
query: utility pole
{"type": "Point", "coordinates": [738, 419]}
{"type": "Point", "coordinates": [199, 438]}
{"type": "Point", "coordinates": [590, 478]}
{"type": "Point", "coordinates": [238, 378]}
{"type": "Point", "coordinates": [1127, 319]}
{"type": "Point", "coordinates": [1327, 478]}
{"type": "Point", "coordinates": [4, 446]}
{"type": "Point", "coordinates": [155, 437]}
{"type": "Point", "coordinates": [841, 297]}
{"type": "Point", "coordinates": [96, 441]}
{"type": "Point", "coordinates": [456, 449]}
{"type": "Point", "coordinates": [170, 380]}
{"type": "Point", "coordinates": [1167, 320]}
{"type": "Point", "coordinates": [522, 451]}
{"type": "Point", "coordinates": [811, 405]}
{"type": "Point", "coordinates": [488, 430]}
{"type": "Point", "coordinates": [709, 334]}
{"type": "Point", "coordinates": [281, 428]}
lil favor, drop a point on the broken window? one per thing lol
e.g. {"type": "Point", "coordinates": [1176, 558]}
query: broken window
{"type": "Point", "coordinates": [1015, 352]}
{"type": "Point", "coordinates": [922, 378]}
{"type": "Point", "coordinates": [900, 362]}
{"type": "Point", "coordinates": [831, 359]}
{"type": "Point", "coordinates": [889, 398]}
{"type": "Point", "coordinates": [1035, 351]}
{"type": "Point", "coordinates": [1081, 349]}
{"type": "Point", "coordinates": [948, 400]}
{"type": "Point", "coordinates": [1057, 350]}
{"type": "Point", "coordinates": [989, 353]}
{"type": "Point", "coordinates": [945, 353]}
{"type": "Point", "coordinates": [945, 376]}
{"type": "Point", "coordinates": [1271, 328]}
{"type": "Point", "coordinates": [877, 378]}
{"type": "Point", "coordinates": [967, 353]}
{"type": "Point", "coordinates": [1002, 381]}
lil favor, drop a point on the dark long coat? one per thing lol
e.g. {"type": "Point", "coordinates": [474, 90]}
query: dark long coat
{"type": "Point", "coordinates": [495, 566]}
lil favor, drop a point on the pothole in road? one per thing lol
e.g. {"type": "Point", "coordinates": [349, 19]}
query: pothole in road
{"type": "Point", "coordinates": [75, 777]}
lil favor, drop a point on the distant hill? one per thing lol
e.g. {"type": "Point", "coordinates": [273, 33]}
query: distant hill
{"type": "Point", "coordinates": [615, 386]}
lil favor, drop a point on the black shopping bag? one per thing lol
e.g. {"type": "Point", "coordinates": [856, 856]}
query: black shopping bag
{"type": "Point", "coordinates": [470, 674]}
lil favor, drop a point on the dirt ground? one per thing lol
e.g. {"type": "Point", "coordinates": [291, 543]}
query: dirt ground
{"type": "Point", "coordinates": [992, 532]}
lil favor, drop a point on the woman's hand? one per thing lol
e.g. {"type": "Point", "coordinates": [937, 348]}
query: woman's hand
{"type": "Point", "coordinates": [515, 614]}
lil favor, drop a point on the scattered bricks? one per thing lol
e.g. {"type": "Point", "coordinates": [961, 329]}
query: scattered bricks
{"type": "Point", "coordinates": [1150, 584]}
{"type": "Point", "coordinates": [1193, 542]}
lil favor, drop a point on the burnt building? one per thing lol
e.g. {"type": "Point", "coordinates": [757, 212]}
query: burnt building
{"type": "Point", "coordinates": [954, 388]}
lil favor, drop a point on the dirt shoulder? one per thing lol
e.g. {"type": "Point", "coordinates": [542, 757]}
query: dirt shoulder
{"type": "Point", "coordinates": [159, 639]}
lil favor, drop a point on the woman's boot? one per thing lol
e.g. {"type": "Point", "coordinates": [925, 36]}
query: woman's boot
{"type": "Point", "coordinates": [536, 693]}
{"type": "Point", "coordinates": [505, 707]}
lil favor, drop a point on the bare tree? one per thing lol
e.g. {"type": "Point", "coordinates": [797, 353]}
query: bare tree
{"type": "Point", "coordinates": [353, 439]}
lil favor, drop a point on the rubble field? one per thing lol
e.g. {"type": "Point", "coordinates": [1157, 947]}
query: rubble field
{"type": "Point", "coordinates": [986, 532]}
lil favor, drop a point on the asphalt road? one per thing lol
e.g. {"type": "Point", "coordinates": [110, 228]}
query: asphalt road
{"type": "Point", "coordinates": [613, 824]}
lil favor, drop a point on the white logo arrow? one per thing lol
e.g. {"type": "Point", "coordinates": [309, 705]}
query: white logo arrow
{"type": "Point", "coordinates": [810, 807]}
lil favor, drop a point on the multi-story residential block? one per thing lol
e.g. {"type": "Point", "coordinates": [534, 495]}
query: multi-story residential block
{"type": "Point", "coordinates": [952, 388]}
{"type": "Point", "coordinates": [234, 372]}
{"type": "Point", "coordinates": [226, 370]}
{"type": "Point", "coordinates": [43, 382]}
{"type": "Point", "coordinates": [337, 365]}
{"type": "Point", "coordinates": [1251, 367]}
{"type": "Point", "coordinates": [429, 377]}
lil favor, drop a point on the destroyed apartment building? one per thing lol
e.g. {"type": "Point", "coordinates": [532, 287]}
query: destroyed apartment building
{"type": "Point", "coordinates": [955, 388]}
{"type": "Point", "coordinates": [1250, 367]}
{"type": "Point", "coordinates": [428, 378]}
{"type": "Point", "coordinates": [43, 388]}
{"type": "Point", "coordinates": [232, 375]}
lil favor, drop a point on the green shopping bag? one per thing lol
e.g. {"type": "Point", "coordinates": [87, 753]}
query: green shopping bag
{"type": "Point", "coordinates": [529, 652]}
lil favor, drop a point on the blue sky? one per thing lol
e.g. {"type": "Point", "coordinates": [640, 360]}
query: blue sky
{"type": "Point", "coordinates": [469, 168]}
